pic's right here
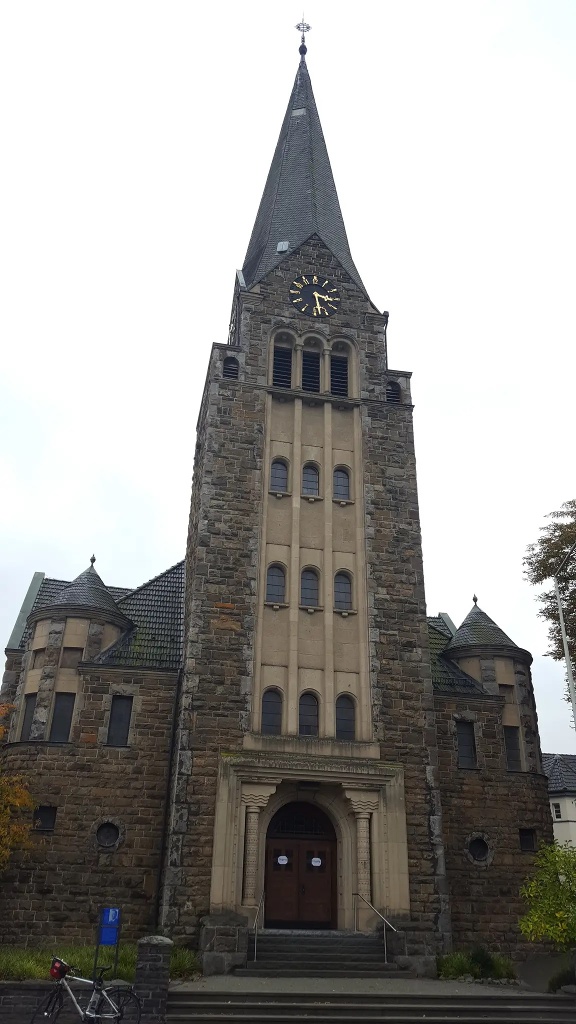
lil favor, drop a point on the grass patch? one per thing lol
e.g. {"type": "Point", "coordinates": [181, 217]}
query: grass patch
{"type": "Point", "coordinates": [479, 963]}
{"type": "Point", "coordinates": [30, 964]}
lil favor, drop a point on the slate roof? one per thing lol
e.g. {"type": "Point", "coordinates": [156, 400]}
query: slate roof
{"type": "Point", "coordinates": [438, 622]}
{"type": "Point", "coordinates": [48, 594]}
{"type": "Point", "coordinates": [447, 678]}
{"type": "Point", "coordinates": [479, 630]}
{"type": "Point", "coordinates": [157, 611]}
{"type": "Point", "coordinates": [299, 198]}
{"type": "Point", "coordinates": [87, 591]}
{"type": "Point", "coordinates": [561, 772]}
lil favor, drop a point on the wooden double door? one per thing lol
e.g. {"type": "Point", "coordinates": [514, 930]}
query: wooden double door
{"type": "Point", "coordinates": [300, 870]}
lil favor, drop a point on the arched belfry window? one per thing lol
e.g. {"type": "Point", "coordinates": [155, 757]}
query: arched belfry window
{"type": "Point", "coordinates": [271, 713]}
{"type": "Point", "coordinates": [341, 486]}
{"type": "Point", "coordinates": [345, 718]}
{"type": "Point", "coordinates": [339, 375]}
{"type": "Point", "coordinates": [309, 588]}
{"type": "Point", "coordinates": [393, 392]}
{"type": "Point", "coordinates": [230, 368]}
{"type": "Point", "coordinates": [275, 584]}
{"type": "Point", "coordinates": [310, 480]}
{"type": "Point", "coordinates": [342, 591]}
{"type": "Point", "coordinates": [279, 476]}
{"type": "Point", "coordinates": [282, 367]}
{"type": "Point", "coordinates": [308, 715]}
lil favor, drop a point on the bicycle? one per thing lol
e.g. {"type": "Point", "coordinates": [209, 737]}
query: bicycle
{"type": "Point", "coordinates": [115, 1004]}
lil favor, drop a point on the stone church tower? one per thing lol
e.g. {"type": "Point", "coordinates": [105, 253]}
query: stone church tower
{"type": "Point", "coordinates": [274, 727]}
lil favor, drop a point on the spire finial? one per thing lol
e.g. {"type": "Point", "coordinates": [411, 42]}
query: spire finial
{"type": "Point", "coordinates": [303, 28]}
{"type": "Point", "coordinates": [475, 599]}
{"type": "Point", "coordinates": [93, 559]}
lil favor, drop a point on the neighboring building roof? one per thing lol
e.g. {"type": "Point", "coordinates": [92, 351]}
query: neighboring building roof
{"type": "Point", "coordinates": [300, 198]}
{"type": "Point", "coordinates": [447, 678]}
{"type": "Point", "coordinates": [479, 630]}
{"type": "Point", "coordinates": [157, 611]}
{"type": "Point", "coordinates": [561, 772]}
{"type": "Point", "coordinates": [87, 591]}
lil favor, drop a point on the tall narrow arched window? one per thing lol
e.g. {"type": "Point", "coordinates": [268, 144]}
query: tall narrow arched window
{"type": "Point", "coordinates": [279, 476]}
{"type": "Point", "coordinates": [339, 375]}
{"type": "Point", "coordinates": [341, 486]}
{"type": "Point", "coordinates": [308, 715]}
{"type": "Point", "coordinates": [271, 713]}
{"type": "Point", "coordinates": [282, 367]}
{"type": "Point", "coordinates": [345, 718]}
{"type": "Point", "coordinates": [342, 591]}
{"type": "Point", "coordinates": [310, 480]}
{"type": "Point", "coordinates": [309, 588]}
{"type": "Point", "coordinates": [275, 584]}
{"type": "Point", "coordinates": [230, 368]}
{"type": "Point", "coordinates": [393, 392]}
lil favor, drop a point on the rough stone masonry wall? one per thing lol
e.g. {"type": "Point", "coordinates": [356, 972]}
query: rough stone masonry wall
{"type": "Point", "coordinates": [494, 803]}
{"type": "Point", "coordinates": [53, 892]}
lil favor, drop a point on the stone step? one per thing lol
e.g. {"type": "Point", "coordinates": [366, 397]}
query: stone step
{"type": "Point", "coordinates": [338, 956]}
{"type": "Point", "coordinates": [260, 971]}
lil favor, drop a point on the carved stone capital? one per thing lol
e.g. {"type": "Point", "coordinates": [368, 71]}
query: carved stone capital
{"type": "Point", "coordinates": [257, 794]}
{"type": "Point", "coordinates": [364, 801]}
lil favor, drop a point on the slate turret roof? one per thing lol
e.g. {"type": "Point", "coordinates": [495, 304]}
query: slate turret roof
{"type": "Point", "coordinates": [447, 678]}
{"type": "Point", "coordinates": [561, 772]}
{"type": "Point", "coordinates": [87, 591]}
{"type": "Point", "coordinates": [299, 198]}
{"type": "Point", "coordinates": [479, 630]}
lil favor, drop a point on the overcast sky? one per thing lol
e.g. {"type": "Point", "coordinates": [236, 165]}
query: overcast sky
{"type": "Point", "coordinates": [136, 140]}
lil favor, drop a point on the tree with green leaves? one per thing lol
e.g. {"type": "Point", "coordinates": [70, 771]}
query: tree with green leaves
{"type": "Point", "coordinates": [550, 894]}
{"type": "Point", "coordinates": [542, 561]}
{"type": "Point", "coordinates": [14, 800]}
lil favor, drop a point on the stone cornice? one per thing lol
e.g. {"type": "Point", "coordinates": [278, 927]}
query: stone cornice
{"type": "Point", "coordinates": [274, 768]}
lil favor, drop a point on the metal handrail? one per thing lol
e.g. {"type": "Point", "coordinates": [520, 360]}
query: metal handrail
{"type": "Point", "coordinates": [260, 907]}
{"type": "Point", "coordinates": [381, 916]}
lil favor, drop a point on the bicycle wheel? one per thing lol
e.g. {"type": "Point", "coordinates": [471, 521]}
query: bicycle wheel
{"type": "Point", "coordinates": [49, 1009]}
{"type": "Point", "coordinates": [126, 1003]}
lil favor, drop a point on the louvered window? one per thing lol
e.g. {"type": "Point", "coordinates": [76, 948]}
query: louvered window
{"type": "Point", "coordinates": [119, 724]}
{"type": "Point", "coordinates": [308, 717]}
{"type": "Point", "coordinates": [310, 371]}
{"type": "Point", "coordinates": [309, 588]}
{"type": "Point", "coordinates": [279, 476]}
{"type": "Point", "coordinates": [282, 372]}
{"type": "Point", "coordinates": [341, 484]}
{"type": "Point", "coordinates": [310, 480]}
{"type": "Point", "coordinates": [29, 707]}
{"type": "Point", "coordinates": [271, 713]}
{"type": "Point", "coordinates": [342, 591]}
{"type": "Point", "coordinates": [339, 375]}
{"type": "Point", "coordinates": [345, 718]}
{"type": "Point", "coordinates": [275, 584]}
{"type": "Point", "coordinates": [466, 745]}
{"type": "Point", "coordinates": [62, 717]}
{"type": "Point", "coordinates": [393, 392]}
{"type": "Point", "coordinates": [230, 368]}
{"type": "Point", "coordinates": [512, 744]}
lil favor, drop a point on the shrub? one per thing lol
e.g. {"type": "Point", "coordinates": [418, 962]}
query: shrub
{"type": "Point", "coordinates": [479, 963]}
{"type": "Point", "coordinates": [482, 962]}
{"type": "Point", "coordinates": [567, 976]}
{"type": "Point", "coordinates": [454, 965]}
{"type": "Point", "coordinates": [30, 964]}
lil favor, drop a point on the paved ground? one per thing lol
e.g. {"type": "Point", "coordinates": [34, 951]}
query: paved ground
{"type": "Point", "coordinates": [352, 986]}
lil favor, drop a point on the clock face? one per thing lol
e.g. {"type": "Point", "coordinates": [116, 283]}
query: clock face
{"type": "Point", "coordinates": [314, 295]}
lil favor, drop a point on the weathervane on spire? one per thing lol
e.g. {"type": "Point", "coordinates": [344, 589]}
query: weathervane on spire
{"type": "Point", "coordinates": [303, 28]}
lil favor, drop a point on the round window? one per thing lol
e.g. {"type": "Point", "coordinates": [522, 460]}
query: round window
{"type": "Point", "coordinates": [107, 834]}
{"type": "Point", "coordinates": [478, 849]}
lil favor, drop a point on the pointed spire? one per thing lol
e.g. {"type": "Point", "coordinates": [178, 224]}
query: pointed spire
{"type": "Point", "coordinates": [479, 630]}
{"type": "Point", "coordinates": [88, 591]}
{"type": "Point", "coordinates": [300, 197]}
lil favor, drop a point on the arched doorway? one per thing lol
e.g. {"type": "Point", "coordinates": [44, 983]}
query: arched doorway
{"type": "Point", "coordinates": [300, 882]}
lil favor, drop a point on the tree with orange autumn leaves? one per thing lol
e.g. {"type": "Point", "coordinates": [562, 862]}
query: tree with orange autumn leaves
{"type": "Point", "coordinates": [14, 799]}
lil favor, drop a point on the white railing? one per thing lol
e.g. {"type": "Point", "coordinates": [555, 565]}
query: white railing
{"type": "Point", "coordinates": [387, 923]}
{"type": "Point", "coordinates": [256, 920]}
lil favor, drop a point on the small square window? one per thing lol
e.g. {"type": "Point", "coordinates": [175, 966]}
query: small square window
{"type": "Point", "coordinates": [527, 840]}
{"type": "Point", "coordinates": [44, 819]}
{"type": "Point", "coordinates": [38, 658]}
{"type": "Point", "coordinates": [557, 811]}
{"type": "Point", "coordinates": [71, 657]}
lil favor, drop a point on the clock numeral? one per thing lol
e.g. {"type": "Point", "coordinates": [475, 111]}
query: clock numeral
{"type": "Point", "coordinates": [298, 285]}
{"type": "Point", "coordinates": [296, 300]}
{"type": "Point", "coordinates": [314, 279]}
{"type": "Point", "coordinates": [324, 283]}
{"type": "Point", "coordinates": [304, 308]}
{"type": "Point", "coordinates": [305, 280]}
{"type": "Point", "coordinates": [293, 291]}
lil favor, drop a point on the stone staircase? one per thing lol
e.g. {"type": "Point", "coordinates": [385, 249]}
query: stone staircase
{"type": "Point", "coordinates": [318, 954]}
{"type": "Point", "coordinates": [226, 1007]}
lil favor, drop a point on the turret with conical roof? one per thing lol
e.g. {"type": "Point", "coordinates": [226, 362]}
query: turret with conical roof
{"type": "Point", "coordinates": [87, 593]}
{"type": "Point", "coordinates": [479, 630]}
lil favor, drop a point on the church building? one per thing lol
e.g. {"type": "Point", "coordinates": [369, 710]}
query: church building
{"type": "Point", "coordinates": [273, 726]}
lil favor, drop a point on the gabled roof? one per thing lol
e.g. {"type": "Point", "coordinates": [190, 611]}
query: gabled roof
{"type": "Point", "coordinates": [479, 630]}
{"type": "Point", "coordinates": [561, 772]}
{"type": "Point", "coordinates": [447, 678]}
{"type": "Point", "coordinates": [299, 198]}
{"type": "Point", "coordinates": [157, 638]}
